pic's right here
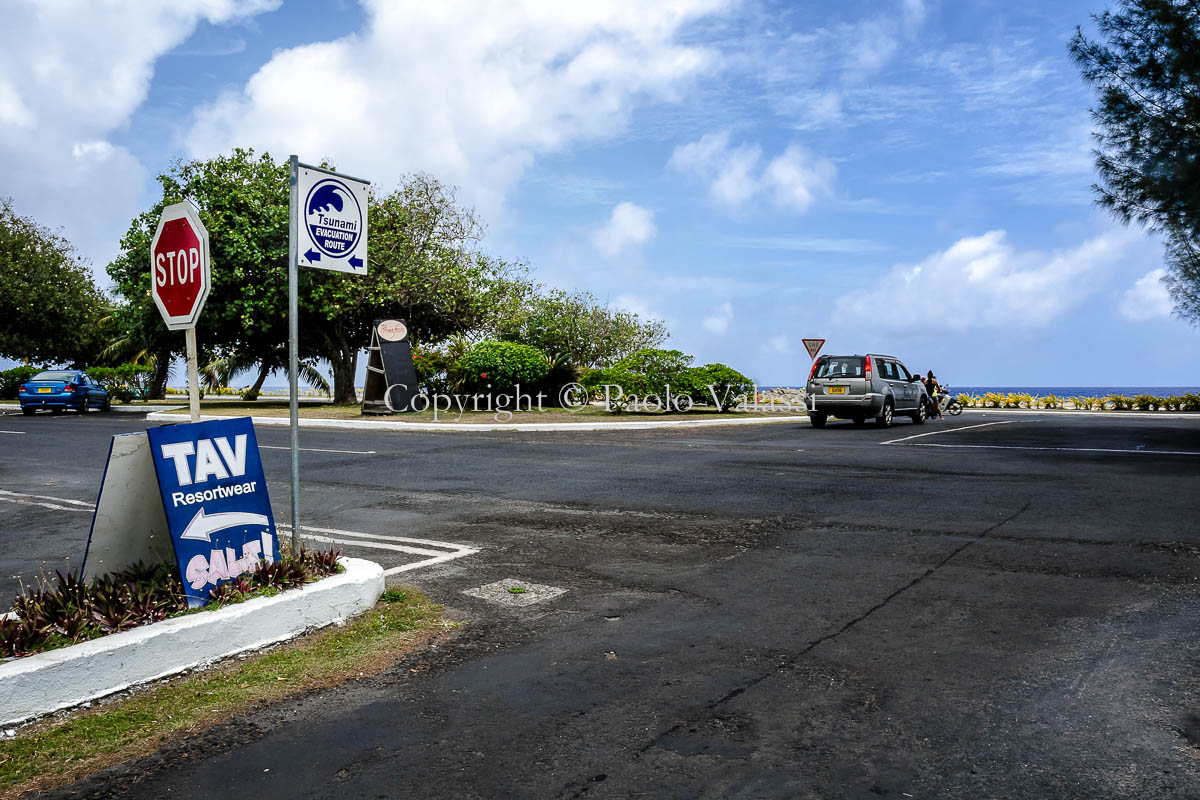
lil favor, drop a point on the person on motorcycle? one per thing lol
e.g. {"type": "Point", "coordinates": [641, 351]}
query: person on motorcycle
{"type": "Point", "coordinates": [931, 386]}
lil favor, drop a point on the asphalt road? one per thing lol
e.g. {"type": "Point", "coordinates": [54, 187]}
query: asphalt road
{"type": "Point", "coordinates": [1004, 606]}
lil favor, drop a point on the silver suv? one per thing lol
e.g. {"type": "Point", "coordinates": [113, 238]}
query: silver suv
{"type": "Point", "coordinates": [858, 387]}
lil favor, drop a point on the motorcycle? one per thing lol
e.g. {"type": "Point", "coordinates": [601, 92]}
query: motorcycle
{"type": "Point", "coordinates": [948, 403]}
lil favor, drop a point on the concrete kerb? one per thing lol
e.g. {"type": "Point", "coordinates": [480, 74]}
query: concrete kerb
{"type": "Point", "coordinates": [125, 409]}
{"type": "Point", "coordinates": [42, 683]}
{"type": "Point", "coordinates": [468, 427]}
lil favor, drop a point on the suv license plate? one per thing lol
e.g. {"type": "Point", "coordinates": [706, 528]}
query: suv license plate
{"type": "Point", "coordinates": [837, 389]}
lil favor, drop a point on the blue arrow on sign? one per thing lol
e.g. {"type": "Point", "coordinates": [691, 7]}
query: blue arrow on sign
{"type": "Point", "coordinates": [355, 262]}
{"type": "Point", "coordinates": [312, 255]}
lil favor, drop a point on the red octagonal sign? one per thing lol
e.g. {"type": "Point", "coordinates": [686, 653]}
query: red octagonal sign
{"type": "Point", "coordinates": [179, 266]}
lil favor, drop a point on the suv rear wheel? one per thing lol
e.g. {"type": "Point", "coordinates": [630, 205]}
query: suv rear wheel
{"type": "Point", "coordinates": [817, 419]}
{"type": "Point", "coordinates": [884, 420]}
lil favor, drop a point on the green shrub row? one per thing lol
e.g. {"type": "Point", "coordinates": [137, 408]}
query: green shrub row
{"type": "Point", "coordinates": [126, 383]}
{"type": "Point", "coordinates": [495, 368]}
{"type": "Point", "coordinates": [11, 380]}
{"type": "Point", "coordinates": [1112, 402]}
{"type": "Point", "coordinates": [660, 373]}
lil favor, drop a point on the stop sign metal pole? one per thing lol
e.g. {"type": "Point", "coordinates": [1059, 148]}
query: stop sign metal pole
{"type": "Point", "coordinates": [193, 375]}
{"type": "Point", "coordinates": [340, 244]}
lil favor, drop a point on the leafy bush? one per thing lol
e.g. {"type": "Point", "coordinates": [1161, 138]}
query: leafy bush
{"type": "Point", "coordinates": [1190, 402]}
{"type": "Point", "coordinates": [664, 373]}
{"type": "Point", "coordinates": [70, 610]}
{"type": "Point", "coordinates": [11, 380]}
{"type": "Point", "coordinates": [126, 383]}
{"type": "Point", "coordinates": [630, 383]}
{"type": "Point", "coordinates": [1052, 401]}
{"type": "Point", "coordinates": [1146, 402]}
{"type": "Point", "coordinates": [728, 385]}
{"type": "Point", "coordinates": [1120, 402]}
{"type": "Point", "coordinates": [559, 375]}
{"type": "Point", "coordinates": [497, 367]}
{"type": "Point", "coordinates": [661, 367]}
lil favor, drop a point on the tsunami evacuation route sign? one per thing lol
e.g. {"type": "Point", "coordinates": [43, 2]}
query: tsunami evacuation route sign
{"type": "Point", "coordinates": [333, 221]}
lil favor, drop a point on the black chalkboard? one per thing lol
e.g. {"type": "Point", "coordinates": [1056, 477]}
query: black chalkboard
{"type": "Point", "coordinates": [390, 369]}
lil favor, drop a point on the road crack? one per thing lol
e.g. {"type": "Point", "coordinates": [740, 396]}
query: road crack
{"type": "Point", "coordinates": [713, 705]}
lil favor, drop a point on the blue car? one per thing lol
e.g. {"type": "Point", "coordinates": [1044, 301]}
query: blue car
{"type": "Point", "coordinates": [60, 389]}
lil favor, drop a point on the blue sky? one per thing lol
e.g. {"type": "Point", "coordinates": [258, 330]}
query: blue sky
{"type": "Point", "coordinates": [908, 176]}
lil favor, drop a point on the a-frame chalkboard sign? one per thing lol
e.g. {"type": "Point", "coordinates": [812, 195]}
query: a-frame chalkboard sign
{"type": "Point", "coordinates": [390, 369]}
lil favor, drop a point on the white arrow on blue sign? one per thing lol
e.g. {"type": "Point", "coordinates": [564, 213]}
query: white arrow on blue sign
{"type": "Point", "coordinates": [214, 495]}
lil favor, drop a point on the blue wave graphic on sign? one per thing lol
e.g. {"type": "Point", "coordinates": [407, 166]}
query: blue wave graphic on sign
{"type": "Point", "coordinates": [327, 198]}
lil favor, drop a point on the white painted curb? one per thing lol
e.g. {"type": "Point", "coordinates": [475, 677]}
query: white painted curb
{"type": "Point", "coordinates": [46, 682]}
{"type": "Point", "coordinates": [468, 427]}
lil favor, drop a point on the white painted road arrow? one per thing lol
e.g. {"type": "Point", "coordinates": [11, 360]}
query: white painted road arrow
{"type": "Point", "coordinates": [202, 527]}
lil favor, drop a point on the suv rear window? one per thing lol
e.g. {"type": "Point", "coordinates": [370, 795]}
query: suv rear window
{"type": "Point", "coordinates": [51, 375]}
{"type": "Point", "coordinates": [841, 367]}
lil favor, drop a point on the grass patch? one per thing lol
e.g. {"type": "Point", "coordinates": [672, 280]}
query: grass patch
{"type": "Point", "coordinates": [590, 414]}
{"type": "Point", "coordinates": [58, 752]}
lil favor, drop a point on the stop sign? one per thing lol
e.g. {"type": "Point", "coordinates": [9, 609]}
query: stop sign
{"type": "Point", "coordinates": [179, 266]}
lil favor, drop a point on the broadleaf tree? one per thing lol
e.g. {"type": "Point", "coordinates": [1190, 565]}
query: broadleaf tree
{"type": "Point", "coordinates": [50, 308]}
{"type": "Point", "coordinates": [1145, 67]}
{"type": "Point", "coordinates": [577, 330]}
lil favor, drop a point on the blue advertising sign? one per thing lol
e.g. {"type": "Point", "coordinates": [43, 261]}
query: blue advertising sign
{"type": "Point", "coordinates": [215, 496]}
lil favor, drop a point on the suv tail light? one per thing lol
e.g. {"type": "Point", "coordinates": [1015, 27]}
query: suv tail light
{"type": "Point", "coordinates": [813, 371]}
{"type": "Point", "coordinates": [867, 369]}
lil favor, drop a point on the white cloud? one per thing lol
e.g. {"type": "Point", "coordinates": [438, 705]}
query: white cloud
{"type": "Point", "coordinates": [72, 73]}
{"type": "Point", "coordinates": [983, 281]}
{"type": "Point", "coordinates": [470, 90]}
{"type": "Point", "coordinates": [628, 227]}
{"type": "Point", "coordinates": [797, 178]}
{"type": "Point", "coordinates": [779, 345]}
{"type": "Point", "coordinates": [718, 321]}
{"type": "Point", "coordinates": [637, 304]}
{"type": "Point", "coordinates": [794, 179]}
{"type": "Point", "coordinates": [1148, 298]}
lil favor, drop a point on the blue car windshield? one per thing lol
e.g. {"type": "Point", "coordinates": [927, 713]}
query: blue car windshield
{"type": "Point", "coordinates": [52, 375]}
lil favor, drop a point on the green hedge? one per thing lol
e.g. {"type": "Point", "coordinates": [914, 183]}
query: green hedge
{"type": "Point", "coordinates": [1113, 402]}
{"type": "Point", "coordinates": [497, 367]}
{"type": "Point", "coordinates": [669, 372]}
{"type": "Point", "coordinates": [126, 383]}
{"type": "Point", "coordinates": [11, 380]}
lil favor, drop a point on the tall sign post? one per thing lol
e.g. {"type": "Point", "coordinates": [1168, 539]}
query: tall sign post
{"type": "Point", "coordinates": [180, 280]}
{"type": "Point", "coordinates": [813, 346]}
{"type": "Point", "coordinates": [327, 230]}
